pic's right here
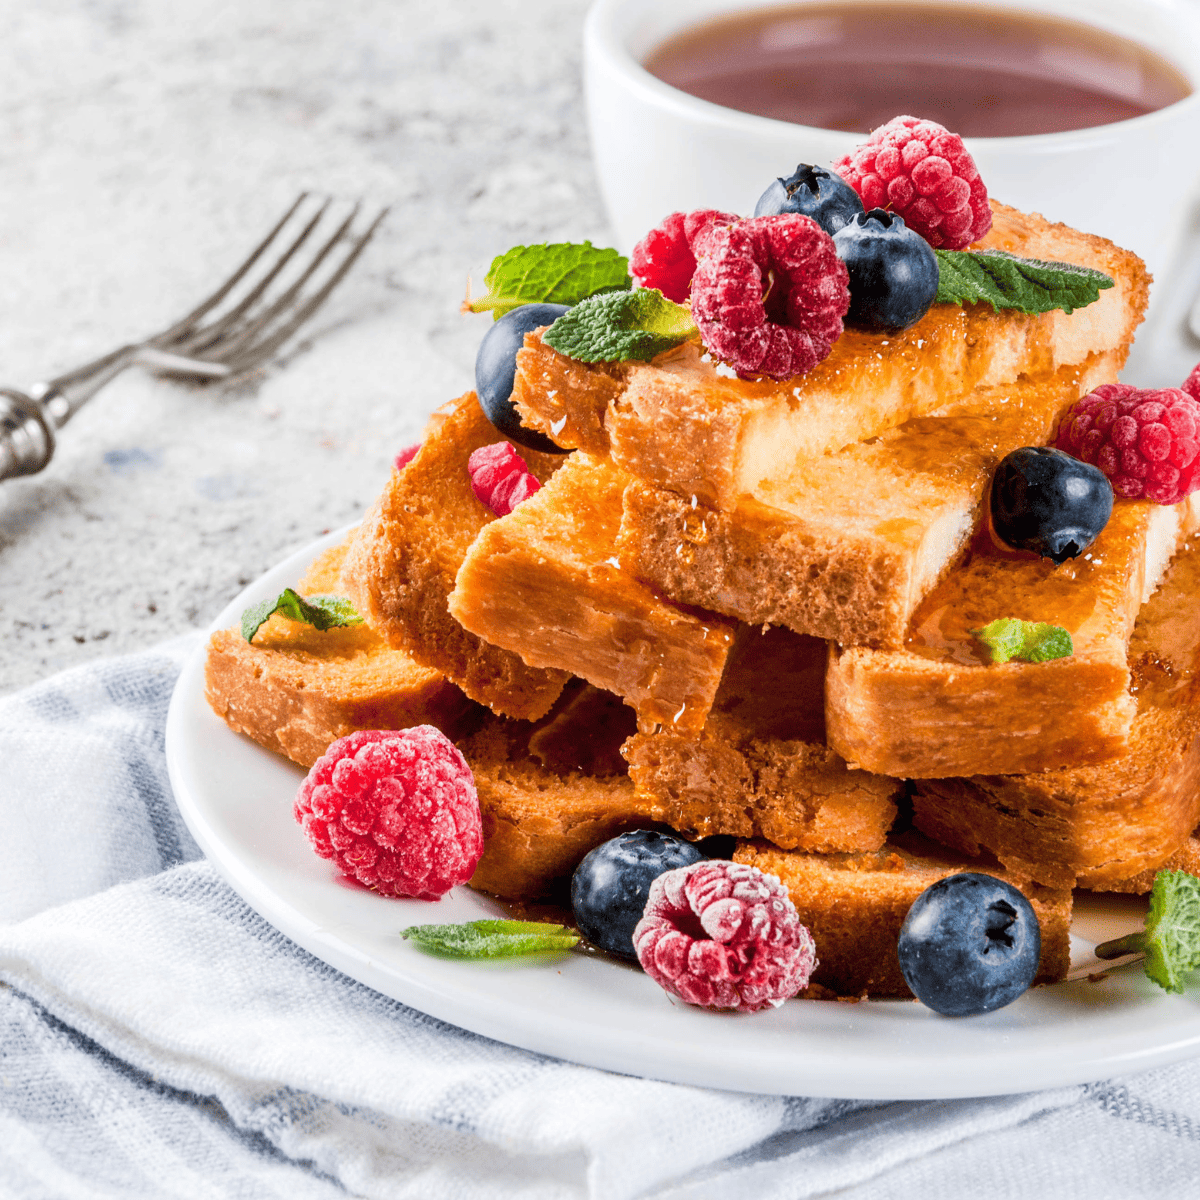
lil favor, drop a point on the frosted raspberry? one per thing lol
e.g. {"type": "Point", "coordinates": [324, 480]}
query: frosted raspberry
{"type": "Point", "coordinates": [724, 935]}
{"type": "Point", "coordinates": [666, 257]}
{"type": "Point", "coordinates": [1192, 383]}
{"type": "Point", "coordinates": [789, 330]}
{"type": "Point", "coordinates": [499, 477]}
{"type": "Point", "coordinates": [407, 455]}
{"type": "Point", "coordinates": [922, 171]}
{"type": "Point", "coordinates": [396, 810]}
{"type": "Point", "coordinates": [1146, 442]}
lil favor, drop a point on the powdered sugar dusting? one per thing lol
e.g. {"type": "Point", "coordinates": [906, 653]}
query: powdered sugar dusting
{"type": "Point", "coordinates": [396, 810]}
{"type": "Point", "coordinates": [755, 953]}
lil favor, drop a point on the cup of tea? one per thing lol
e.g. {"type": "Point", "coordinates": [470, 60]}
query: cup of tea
{"type": "Point", "coordinates": [1087, 111]}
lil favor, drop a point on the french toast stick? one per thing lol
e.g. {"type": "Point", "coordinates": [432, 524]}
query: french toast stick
{"type": "Point", "coordinates": [939, 708]}
{"type": "Point", "coordinates": [400, 567]}
{"type": "Point", "coordinates": [845, 545]}
{"type": "Point", "coordinates": [296, 689]}
{"type": "Point", "coordinates": [854, 905]}
{"type": "Point", "coordinates": [1109, 826]}
{"type": "Point", "coordinates": [760, 766]}
{"type": "Point", "coordinates": [681, 423]}
{"type": "Point", "coordinates": [544, 583]}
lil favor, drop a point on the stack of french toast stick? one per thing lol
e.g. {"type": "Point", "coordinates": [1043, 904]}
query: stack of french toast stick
{"type": "Point", "coordinates": [745, 609]}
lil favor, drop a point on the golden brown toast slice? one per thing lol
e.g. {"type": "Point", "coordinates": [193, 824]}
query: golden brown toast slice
{"type": "Point", "coordinates": [1112, 825]}
{"type": "Point", "coordinates": [1186, 858]}
{"type": "Point", "coordinates": [544, 583]}
{"type": "Point", "coordinates": [549, 793]}
{"type": "Point", "coordinates": [854, 905]}
{"type": "Point", "coordinates": [760, 766]}
{"type": "Point", "coordinates": [683, 424]}
{"type": "Point", "coordinates": [400, 568]}
{"type": "Point", "coordinates": [844, 546]}
{"type": "Point", "coordinates": [551, 790]}
{"type": "Point", "coordinates": [296, 689]}
{"type": "Point", "coordinates": [938, 707]}
{"type": "Point", "coordinates": [760, 769]}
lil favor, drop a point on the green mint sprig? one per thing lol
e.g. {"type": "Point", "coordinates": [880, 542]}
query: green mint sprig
{"type": "Point", "coordinates": [550, 273]}
{"type": "Point", "coordinates": [1171, 937]}
{"type": "Point", "coordinates": [321, 612]}
{"type": "Point", "coordinates": [621, 326]}
{"type": "Point", "coordinates": [1026, 641]}
{"type": "Point", "coordinates": [1005, 281]}
{"type": "Point", "coordinates": [491, 939]}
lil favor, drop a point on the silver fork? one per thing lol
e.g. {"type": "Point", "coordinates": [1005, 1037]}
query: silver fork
{"type": "Point", "coordinates": [249, 317]}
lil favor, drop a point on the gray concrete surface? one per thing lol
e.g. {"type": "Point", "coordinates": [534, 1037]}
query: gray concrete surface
{"type": "Point", "coordinates": [143, 148]}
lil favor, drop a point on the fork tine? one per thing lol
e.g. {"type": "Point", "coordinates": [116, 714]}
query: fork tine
{"type": "Point", "coordinates": [169, 351]}
{"type": "Point", "coordinates": [262, 350]}
{"type": "Point", "coordinates": [239, 337]}
{"type": "Point", "coordinates": [188, 341]}
{"type": "Point", "coordinates": [226, 334]}
{"type": "Point", "coordinates": [212, 301]}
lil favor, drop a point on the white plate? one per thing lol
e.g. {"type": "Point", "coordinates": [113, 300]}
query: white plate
{"type": "Point", "coordinates": [237, 800]}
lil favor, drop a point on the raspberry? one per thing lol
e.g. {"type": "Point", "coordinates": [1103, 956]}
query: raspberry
{"type": "Point", "coordinates": [407, 455]}
{"type": "Point", "coordinates": [666, 257]}
{"type": "Point", "coordinates": [922, 171]}
{"type": "Point", "coordinates": [724, 935]}
{"type": "Point", "coordinates": [1146, 442]}
{"type": "Point", "coordinates": [500, 478]}
{"type": "Point", "coordinates": [396, 810]}
{"type": "Point", "coordinates": [793, 326]}
{"type": "Point", "coordinates": [1192, 384]}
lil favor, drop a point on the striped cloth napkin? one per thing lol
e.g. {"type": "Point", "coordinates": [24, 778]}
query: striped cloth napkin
{"type": "Point", "coordinates": [159, 1039]}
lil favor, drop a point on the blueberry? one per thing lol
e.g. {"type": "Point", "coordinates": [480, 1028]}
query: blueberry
{"type": "Point", "coordinates": [970, 944]}
{"type": "Point", "coordinates": [893, 271]}
{"type": "Point", "coordinates": [823, 195]}
{"type": "Point", "coordinates": [610, 887]}
{"type": "Point", "coordinates": [496, 368]}
{"type": "Point", "coordinates": [1048, 502]}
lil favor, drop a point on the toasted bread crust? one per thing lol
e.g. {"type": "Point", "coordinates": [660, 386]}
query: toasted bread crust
{"type": "Point", "coordinates": [297, 689]}
{"type": "Point", "coordinates": [848, 544]}
{"type": "Point", "coordinates": [538, 823]}
{"type": "Point", "coordinates": [1100, 826]}
{"type": "Point", "coordinates": [680, 424]}
{"type": "Point", "coordinates": [760, 767]}
{"type": "Point", "coordinates": [296, 697]}
{"type": "Point", "coordinates": [799, 795]}
{"type": "Point", "coordinates": [854, 905]}
{"type": "Point", "coordinates": [1186, 858]}
{"type": "Point", "coordinates": [401, 566]}
{"type": "Point", "coordinates": [1094, 827]}
{"type": "Point", "coordinates": [939, 708]}
{"type": "Point", "coordinates": [550, 791]}
{"type": "Point", "coordinates": [544, 583]}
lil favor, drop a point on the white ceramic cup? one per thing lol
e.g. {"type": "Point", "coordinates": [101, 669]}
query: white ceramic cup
{"type": "Point", "coordinates": [659, 150]}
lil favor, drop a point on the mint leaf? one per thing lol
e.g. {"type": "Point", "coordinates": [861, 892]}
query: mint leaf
{"type": "Point", "coordinates": [1026, 641]}
{"type": "Point", "coordinates": [1173, 929]}
{"type": "Point", "coordinates": [491, 939]}
{"type": "Point", "coordinates": [1005, 281]}
{"type": "Point", "coordinates": [321, 612]}
{"type": "Point", "coordinates": [1044, 642]}
{"type": "Point", "coordinates": [621, 326]}
{"type": "Point", "coordinates": [551, 273]}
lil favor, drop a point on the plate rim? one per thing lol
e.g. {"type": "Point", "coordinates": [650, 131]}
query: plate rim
{"type": "Point", "coordinates": [651, 1050]}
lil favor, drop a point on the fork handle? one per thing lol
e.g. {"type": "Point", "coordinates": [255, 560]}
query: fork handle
{"type": "Point", "coordinates": [26, 434]}
{"type": "Point", "coordinates": [28, 422]}
{"type": "Point", "coordinates": [64, 395]}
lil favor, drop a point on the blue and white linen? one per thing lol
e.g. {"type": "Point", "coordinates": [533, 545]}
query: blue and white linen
{"type": "Point", "coordinates": [159, 1039]}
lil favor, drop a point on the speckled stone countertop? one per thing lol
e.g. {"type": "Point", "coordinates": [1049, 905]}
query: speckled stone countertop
{"type": "Point", "coordinates": [146, 147]}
